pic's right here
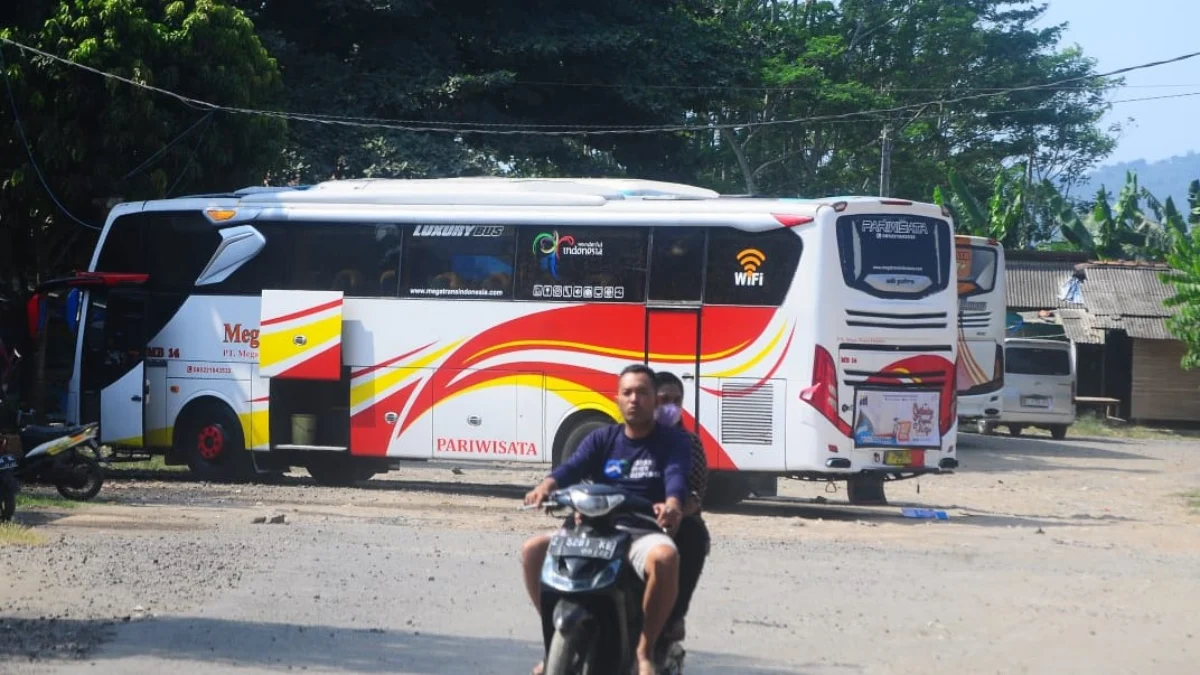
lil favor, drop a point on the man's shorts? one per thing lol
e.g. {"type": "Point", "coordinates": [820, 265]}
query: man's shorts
{"type": "Point", "coordinates": [643, 542]}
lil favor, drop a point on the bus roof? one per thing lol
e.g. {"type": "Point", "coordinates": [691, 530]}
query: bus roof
{"type": "Point", "coordinates": [502, 191]}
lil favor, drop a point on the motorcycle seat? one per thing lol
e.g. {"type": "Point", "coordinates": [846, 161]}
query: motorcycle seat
{"type": "Point", "coordinates": [33, 436]}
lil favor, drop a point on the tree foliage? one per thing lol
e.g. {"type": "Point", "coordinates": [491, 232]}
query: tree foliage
{"type": "Point", "coordinates": [97, 140]}
{"type": "Point", "coordinates": [779, 88]}
{"type": "Point", "coordinates": [1184, 277]}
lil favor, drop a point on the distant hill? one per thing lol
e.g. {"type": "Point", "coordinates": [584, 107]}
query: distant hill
{"type": "Point", "coordinates": [1164, 178]}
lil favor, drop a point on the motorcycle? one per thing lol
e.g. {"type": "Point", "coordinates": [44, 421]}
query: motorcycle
{"type": "Point", "coordinates": [591, 597]}
{"type": "Point", "coordinates": [8, 488]}
{"type": "Point", "coordinates": [55, 456]}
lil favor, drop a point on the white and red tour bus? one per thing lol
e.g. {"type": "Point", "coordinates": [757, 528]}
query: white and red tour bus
{"type": "Point", "coordinates": [982, 310]}
{"type": "Point", "coordinates": [351, 324]}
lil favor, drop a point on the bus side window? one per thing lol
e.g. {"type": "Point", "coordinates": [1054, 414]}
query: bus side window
{"type": "Point", "coordinates": [751, 268]}
{"type": "Point", "coordinates": [458, 261]}
{"type": "Point", "coordinates": [677, 264]}
{"type": "Point", "coordinates": [356, 259]}
{"type": "Point", "coordinates": [605, 264]}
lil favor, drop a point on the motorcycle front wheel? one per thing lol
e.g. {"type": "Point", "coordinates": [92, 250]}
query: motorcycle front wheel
{"type": "Point", "coordinates": [573, 654]}
{"type": "Point", "coordinates": [92, 475]}
{"type": "Point", "coordinates": [8, 497]}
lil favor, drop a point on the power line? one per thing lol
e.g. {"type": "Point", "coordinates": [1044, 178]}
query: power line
{"type": "Point", "coordinates": [12, 100]}
{"type": "Point", "coordinates": [533, 129]}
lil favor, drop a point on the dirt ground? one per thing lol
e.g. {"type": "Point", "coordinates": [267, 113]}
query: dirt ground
{"type": "Point", "coordinates": [1081, 556]}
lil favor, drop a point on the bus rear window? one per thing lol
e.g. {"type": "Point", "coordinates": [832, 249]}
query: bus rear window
{"type": "Point", "coordinates": [976, 270]}
{"type": "Point", "coordinates": [894, 256]}
{"type": "Point", "coordinates": [1033, 361]}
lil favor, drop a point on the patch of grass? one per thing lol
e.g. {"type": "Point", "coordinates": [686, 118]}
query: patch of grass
{"type": "Point", "coordinates": [32, 501]}
{"type": "Point", "coordinates": [12, 534]}
{"type": "Point", "coordinates": [1193, 499]}
{"type": "Point", "coordinates": [1092, 425]}
{"type": "Point", "coordinates": [155, 463]}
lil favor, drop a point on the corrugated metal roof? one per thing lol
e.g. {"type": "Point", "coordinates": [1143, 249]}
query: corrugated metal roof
{"type": "Point", "coordinates": [1078, 326]}
{"type": "Point", "coordinates": [1126, 290]}
{"type": "Point", "coordinates": [1125, 296]}
{"type": "Point", "coordinates": [1033, 285]}
{"type": "Point", "coordinates": [1144, 327]}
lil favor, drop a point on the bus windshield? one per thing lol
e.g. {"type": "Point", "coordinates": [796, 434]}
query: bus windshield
{"type": "Point", "coordinates": [894, 256]}
{"type": "Point", "coordinates": [976, 270]}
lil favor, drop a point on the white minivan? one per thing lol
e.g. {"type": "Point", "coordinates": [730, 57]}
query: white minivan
{"type": "Point", "coordinates": [1039, 386]}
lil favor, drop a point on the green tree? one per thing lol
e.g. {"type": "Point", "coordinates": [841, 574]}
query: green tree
{"type": "Point", "coordinates": [938, 64]}
{"type": "Point", "coordinates": [96, 140]}
{"type": "Point", "coordinates": [1184, 278]}
{"type": "Point", "coordinates": [506, 62]}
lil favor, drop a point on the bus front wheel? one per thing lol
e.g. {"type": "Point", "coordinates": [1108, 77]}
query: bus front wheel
{"type": "Point", "coordinates": [211, 439]}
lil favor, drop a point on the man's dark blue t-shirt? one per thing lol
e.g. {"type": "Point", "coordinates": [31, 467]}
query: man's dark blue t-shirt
{"type": "Point", "coordinates": [654, 467]}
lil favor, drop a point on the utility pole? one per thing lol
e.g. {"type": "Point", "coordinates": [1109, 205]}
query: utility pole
{"type": "Point", "coordinates": [885, 163]}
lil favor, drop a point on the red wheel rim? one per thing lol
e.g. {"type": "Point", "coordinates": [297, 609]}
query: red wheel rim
{"type": "Point", "coordinates": [210, 442]}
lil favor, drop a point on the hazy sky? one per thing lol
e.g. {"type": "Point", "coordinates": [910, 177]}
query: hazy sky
{"type": "Point", "coordinates": [1120, 33]}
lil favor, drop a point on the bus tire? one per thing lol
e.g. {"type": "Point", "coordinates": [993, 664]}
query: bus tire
{"type": "Point", "coordinates": [339, 470]}
{"type": "Point", "coordinates": [210, 438]}
{"type": "Point", "coordinates": [866, 490]}
{"type": "Point", "coordinates": [725, 489]}
{"type": "Point", "coordinates": [579, 431]}
{"type": "Point", "coordinates": [1058, 432]}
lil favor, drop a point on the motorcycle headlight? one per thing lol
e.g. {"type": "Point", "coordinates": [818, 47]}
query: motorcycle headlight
{"type": "Point", "coordinates": [594, 506]}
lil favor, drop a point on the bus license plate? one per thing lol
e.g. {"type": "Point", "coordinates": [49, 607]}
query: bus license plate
{"type": "Point", "coordinates": [904, 457]}
{"type": "Point", "coordinates": [584, 547]}
{"type": "Point", "coordinates": [1035, 402]}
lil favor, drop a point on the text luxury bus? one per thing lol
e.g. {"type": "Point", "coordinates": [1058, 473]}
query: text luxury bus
{"type": "Point", "coordinates": [982, 311]}
{"type": "Point", "coordinates": [348, 325]}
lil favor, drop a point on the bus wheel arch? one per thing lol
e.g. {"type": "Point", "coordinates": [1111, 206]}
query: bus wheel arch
{"type": "Point", "coordinates": [573, 429]}
{"type": "Point", "coordinates": [209, 438]}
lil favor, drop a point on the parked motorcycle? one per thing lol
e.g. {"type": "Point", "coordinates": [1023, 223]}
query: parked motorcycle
{"type": "Point", "coordinates": [591, 596]}
{"type": "Point", "coordinates": [55, 454]}
{"type": "Point", "coordinates": [8, 488]}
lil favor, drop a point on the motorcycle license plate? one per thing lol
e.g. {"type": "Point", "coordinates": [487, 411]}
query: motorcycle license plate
{"type": "Point", "coordinates": [583, 547]}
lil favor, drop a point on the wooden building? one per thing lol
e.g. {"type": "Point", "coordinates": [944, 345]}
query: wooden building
{"type": "Point", "coordinates": [1114, 312]}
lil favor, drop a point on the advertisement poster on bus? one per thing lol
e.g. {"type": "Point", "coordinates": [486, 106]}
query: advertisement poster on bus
{"type": "Point", "coordinates": [906, 419]}
{"type": "Point", "coordinates": [966, 281]}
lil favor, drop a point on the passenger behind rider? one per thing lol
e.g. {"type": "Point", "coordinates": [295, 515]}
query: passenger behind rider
{"type": "Point", "coordinates": [647, 459]}
{"type": "Point", "coordinates": [692, 539]}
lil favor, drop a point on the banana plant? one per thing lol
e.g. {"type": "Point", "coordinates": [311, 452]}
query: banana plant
{"type": "Point", "coordinates": [1125, 231]}
{"type": "Point", "coordinates": [1005, 211]}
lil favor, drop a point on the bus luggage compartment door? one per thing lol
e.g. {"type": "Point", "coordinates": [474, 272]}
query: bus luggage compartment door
{"type": "Point", "coordinates": [300, 335]}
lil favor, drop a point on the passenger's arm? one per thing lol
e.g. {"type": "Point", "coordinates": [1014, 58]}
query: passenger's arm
{"type": "Point", "coordinates": [697, 477]}
{"type": "Point", "coordinates": [675, 473]}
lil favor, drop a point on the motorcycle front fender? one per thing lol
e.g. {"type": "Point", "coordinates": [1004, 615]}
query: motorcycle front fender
{"type": "Point", "coordinates": [571, 617]}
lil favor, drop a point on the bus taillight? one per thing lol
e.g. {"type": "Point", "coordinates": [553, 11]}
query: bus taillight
{"type": "Point", "coordinates": [998, 374]}
{"type": "Point", "coordinates": [823, 394]}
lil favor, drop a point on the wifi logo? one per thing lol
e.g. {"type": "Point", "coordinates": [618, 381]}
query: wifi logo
{"type": "Point", "coordinates": [750, 260]}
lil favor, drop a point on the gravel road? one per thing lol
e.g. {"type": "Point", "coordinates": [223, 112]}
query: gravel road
{"type": "Point", "coordinates": [1059, 557]}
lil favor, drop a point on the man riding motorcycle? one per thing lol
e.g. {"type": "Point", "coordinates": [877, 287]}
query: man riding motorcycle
{"type": "Point", "coordinates": [647, 459]}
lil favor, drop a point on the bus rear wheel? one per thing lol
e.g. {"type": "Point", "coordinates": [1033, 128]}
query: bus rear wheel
{"type": "Point", "coordinates": [866, 490]}
{"type": "Point", "coordinates": [725, 489]}
{"type": "Point", "coordinates": [211, 439]}
{"type": "Point", "coordinates": [339, 471]}
{"type": "Point", "coordinates": [579, 432]}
